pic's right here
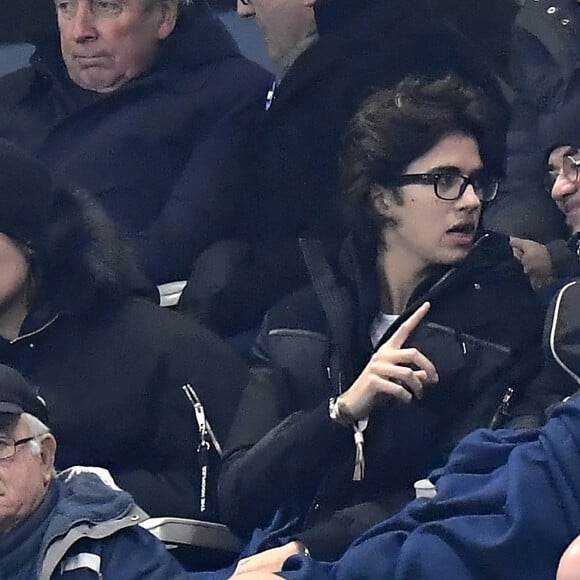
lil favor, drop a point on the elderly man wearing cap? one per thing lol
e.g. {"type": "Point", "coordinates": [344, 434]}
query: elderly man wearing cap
{"type": "Point", "coordinates": [74, 525]}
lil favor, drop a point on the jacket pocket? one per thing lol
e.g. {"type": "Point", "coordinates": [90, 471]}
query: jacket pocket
{"type": "Point", "coordinates": [474, 376]}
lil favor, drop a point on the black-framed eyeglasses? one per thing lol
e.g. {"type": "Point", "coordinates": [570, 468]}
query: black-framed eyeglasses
{"type": "Point", "coordinates": [449, 185]}
{"type": "Point", "coordinates": [570, 170]}
{"type": "Point", "coordinates": [245, 2]}
{"type": "Point", "coordinates": [8, 446]}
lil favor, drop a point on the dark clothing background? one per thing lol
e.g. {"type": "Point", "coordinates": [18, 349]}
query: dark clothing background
{"type": "Point", "coordinates": [486, 23]}
{"type": "Point", "coordinates": [483, 334]}
{"type": "Point", "coordinates": [362, 46]}
{"type": "Point", "coordinates": [162, 153]}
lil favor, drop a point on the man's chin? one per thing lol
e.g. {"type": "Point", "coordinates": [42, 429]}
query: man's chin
{"type": "Point", "coordinates": [98, 83]}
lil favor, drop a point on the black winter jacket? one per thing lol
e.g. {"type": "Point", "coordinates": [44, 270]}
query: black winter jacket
{"type": "Point", "coordinates": [111, 366]}
{"type": "Point", "coordinates": [163, 153]}
{"type": "Point", "coordinates": [363, 45]}
{"type": "Point", "coordinates": [283, 447]}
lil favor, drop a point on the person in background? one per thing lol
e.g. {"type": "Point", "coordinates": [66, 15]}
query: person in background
{"type": "Point", "coordinates": [147, 104]}
{"type": "Point", "coordinates": [67, 525]}
{"type": "Point", "coordinates": [110, 364]}
{"type": "Point", "coordinates": [545, 61]}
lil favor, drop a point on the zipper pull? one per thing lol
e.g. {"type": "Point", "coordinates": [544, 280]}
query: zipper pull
{"type": "Point", "coordinates": [503, 409]}
{"type": "Point", "coordinates": [200, 417]}
{"type": "Point", "coordinates": [359, 442]}
{"type": "Point", "coordinates": [203, 459]}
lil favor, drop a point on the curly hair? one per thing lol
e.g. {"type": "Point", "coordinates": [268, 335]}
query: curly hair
{"type": "Point", "coordinates": [393, 127]}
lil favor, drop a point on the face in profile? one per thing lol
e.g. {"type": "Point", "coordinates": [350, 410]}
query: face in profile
{"type": "Point", "coordinates": [23, 477]}
{"type": "Point", "coordinates": [563, 170]}
{"type": "Point", "coordinates": [105, 43]}
{"type": "Point", "coordinates": [14, 274]}
{"type": "Point", "coordinates": [284, 23]}
{"type": "Point", "coordinates": [428, 230]}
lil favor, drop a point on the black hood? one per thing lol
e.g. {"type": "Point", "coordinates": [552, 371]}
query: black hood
{"type": "Point", "coordinates": [332, 15]}
{"type": "Point", "coordinates": [199, 38]}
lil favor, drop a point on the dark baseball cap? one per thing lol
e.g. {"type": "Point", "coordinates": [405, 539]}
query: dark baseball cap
{"type": "Point", "coordinates": [17, 395]}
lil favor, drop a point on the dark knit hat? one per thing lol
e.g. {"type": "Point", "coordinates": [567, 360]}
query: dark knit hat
{"type": "Point", "coordinates": [26, 196]}
{"type": "Point", "coordinates": [17, 396]}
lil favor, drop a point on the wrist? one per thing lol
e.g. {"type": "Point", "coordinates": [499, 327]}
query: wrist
{"type": "Point", "coordinates": [301, 548]}
{"type": "Point", "coordinates": [339, 412]}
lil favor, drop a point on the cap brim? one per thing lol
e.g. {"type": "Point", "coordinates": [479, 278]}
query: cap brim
{"type": "Point", "coordinates": [10, 408]}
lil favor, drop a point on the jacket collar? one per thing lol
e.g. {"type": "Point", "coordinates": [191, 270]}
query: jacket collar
{"type": "Point", "coordinates": [342, 36]}
{"type": "Point", "coordinates": [358, 267]}
{"type": "Point", "coordinates": [89, 506]}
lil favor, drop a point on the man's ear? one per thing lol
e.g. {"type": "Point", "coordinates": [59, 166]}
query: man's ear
{"type": "Point", "coordinates": [379, 195]}
{"type": "Point", "coordinates": [168, 10]}
{"type": "Point", "coordinates": [47, 455]}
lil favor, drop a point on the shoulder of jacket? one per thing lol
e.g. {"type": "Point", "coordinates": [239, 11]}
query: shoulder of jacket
{"type": "Point", "coordinates": [300, 310]}
{"type": "Point", "coordinates": [16, 85]}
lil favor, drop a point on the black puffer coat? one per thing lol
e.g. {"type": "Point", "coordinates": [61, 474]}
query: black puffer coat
{"type": "Point", "coordinates": [483, 333]}
{"type": "Point", "coordinates": [363, 45]}
{"type": "Point", "coordinates": [162, 153]}
{"type": "Point", "coordinates": [111, 366]}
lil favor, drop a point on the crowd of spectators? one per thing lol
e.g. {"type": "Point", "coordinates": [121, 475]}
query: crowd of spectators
{"type": "Point", "coordinates": [370, 239]}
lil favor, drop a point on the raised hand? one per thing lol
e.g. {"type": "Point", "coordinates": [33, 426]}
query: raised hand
{"type": "Point", "coordinates": [393, 372]}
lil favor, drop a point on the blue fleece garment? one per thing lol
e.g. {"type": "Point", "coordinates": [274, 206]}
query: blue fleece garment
{"type": "Point", "coordinates": [507, 506]}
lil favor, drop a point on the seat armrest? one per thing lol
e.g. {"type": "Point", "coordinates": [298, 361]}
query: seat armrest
{"type": "Point", "coordinates": [170, 293]}
{"type": "Point", "coordinates": [187, 532]}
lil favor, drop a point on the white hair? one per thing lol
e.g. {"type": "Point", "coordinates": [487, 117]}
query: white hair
{"type": "Point", "coordinates": [36, 428]}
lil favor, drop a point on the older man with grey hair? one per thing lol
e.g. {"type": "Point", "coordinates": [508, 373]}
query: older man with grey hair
{"type": "Point", "coordinates": [74, 525]}
{"type": "Point", "coordinates": [147, 104]}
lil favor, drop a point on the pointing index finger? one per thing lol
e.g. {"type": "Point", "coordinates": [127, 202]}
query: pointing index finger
{"type": "Point", "coordinates": [402, 333]}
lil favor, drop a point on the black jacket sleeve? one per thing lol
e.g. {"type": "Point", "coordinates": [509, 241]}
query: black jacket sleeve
{"type": "Point", "coordinates": [291, 459]}
{"type": "Point", "coordinates": [329, 538]}
{"type": "Point", "coordinates": [273, 447]}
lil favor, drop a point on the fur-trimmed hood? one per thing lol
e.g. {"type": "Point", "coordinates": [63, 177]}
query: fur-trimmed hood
{"type": "Point", "coordinates": [83, 264]}
{"type": "Point", "coordinates": [74, 253]}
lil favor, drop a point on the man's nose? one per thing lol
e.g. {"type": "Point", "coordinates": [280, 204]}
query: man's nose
{"type": "Point", "coordinates": [83, 25]}
{"type": "Point", "coordinates": [245, 8]}
{"type": "Point", "coordinates": [469, 200]}
{"type": "Point", "coordinates": [563, 187]}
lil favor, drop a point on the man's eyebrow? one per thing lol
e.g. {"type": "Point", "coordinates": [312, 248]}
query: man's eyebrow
{"type": "Point", "coordinates": [445, 169]}
{"type": "Point", "coordinates": [451, 169]}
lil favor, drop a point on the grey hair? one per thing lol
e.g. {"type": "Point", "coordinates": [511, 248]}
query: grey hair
{"type": "Point", "coordinates": [36, 428]}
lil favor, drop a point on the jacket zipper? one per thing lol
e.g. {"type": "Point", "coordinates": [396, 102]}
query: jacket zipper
{"type": "Point", "coordinates": [503, 410]}
{"type": "Point", "coordinates": [425, 298]}
{"type": "Point", "coordinates": [207, 439]}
